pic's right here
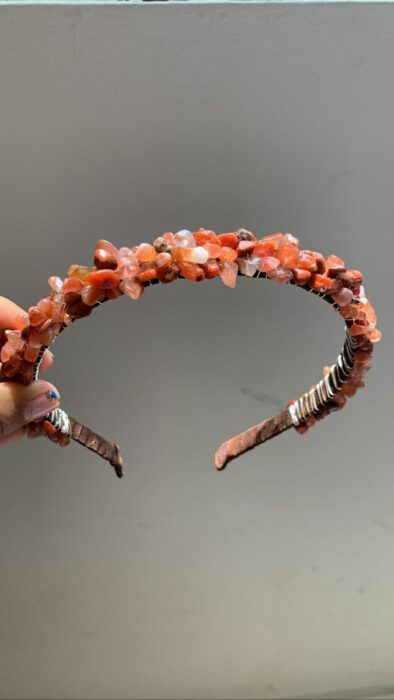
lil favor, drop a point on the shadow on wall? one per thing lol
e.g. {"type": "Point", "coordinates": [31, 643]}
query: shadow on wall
{"type": "Point", "coordinates": [380, 692]}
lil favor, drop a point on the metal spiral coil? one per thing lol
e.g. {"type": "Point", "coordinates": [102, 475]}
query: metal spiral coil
{"type": "Point", "coordinates": [60, 420]}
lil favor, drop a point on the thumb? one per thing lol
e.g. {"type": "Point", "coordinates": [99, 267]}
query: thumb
{"type": "Point", "coordinates": [22, 404]}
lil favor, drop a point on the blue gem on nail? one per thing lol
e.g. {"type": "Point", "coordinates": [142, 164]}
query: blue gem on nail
{"type": "Point", "coordinates": [52, 395]}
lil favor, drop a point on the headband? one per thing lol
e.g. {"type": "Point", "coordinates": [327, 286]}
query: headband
{"type": "Point", "coordinates": [196, 256]}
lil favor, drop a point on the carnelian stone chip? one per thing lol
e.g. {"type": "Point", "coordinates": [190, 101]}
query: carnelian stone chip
{"type": "Point", "coordinates": [307, 261]}
{"type": "Point", "coordinates": [301, 276]}
{"type": "Point", "coordinates": [246, 246]}
{"type": "Point", "coordinates": [230, 240]}
{"type": "Point", "coordinates": [104, 260]}
{"type": "Point", "coordinates": [213, 249]}
{"type": "Point", "coordinates": [72, 284]}
{"type": "Point", "coordinates": [148, 273]}
{"type": "Point", "coordinates": [191, 271]}
{"type": "Point", "coordinates": [268, 264]}
{"type": "Point", "coordinates": [211, 269]}
{"type": "Point", "coordinates": [36, 316]}
{"type": "Point", "coordinates": [163, 260]}
{"type": "Point", "coordinates": [145, 252]}
{"type": "Point", "coordinates": [103, 279]}
{"type": "Point", "coordinates": [264, 249]}
{"type": "Point", "coordinates": [320, 282]}
{"type": "Point", "coordinates": [228, 254]}
{"type": "Point", "coordinates": [274, 238]}
{"type": "Point", "coordinates": [288, 255]}
{"type": "Point", "coordinates": [229, 273]}
{"type": "Point", "coordinates": [203, 236]}
{"type": "Point", "coordinates": [180, 254]}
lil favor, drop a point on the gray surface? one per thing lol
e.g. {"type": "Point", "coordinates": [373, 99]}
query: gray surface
{"type": "Point", "coordinates": [275, 578]}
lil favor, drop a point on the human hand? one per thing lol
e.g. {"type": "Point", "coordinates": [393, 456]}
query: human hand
{"type": "Point", "coordinates": [20, 404]}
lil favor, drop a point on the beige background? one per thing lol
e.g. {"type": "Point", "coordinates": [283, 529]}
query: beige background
{"type": "Point", "coordinates": [275, 578]}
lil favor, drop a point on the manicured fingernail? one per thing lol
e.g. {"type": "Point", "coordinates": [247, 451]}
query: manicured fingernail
{"type": "Point", "coordinates": [50, 354]}
{"type": "Point", "coordinates": [41, 405]}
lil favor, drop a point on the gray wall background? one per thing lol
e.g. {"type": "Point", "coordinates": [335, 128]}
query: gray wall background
{"type": "Point", "coordinates": [275, 578]}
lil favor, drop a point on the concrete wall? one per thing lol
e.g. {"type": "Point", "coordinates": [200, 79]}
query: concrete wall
{"type": "Point", "coordinates": [275, 578]}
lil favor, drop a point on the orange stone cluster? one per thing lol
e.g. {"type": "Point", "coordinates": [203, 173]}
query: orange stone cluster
{"type": "Point", "coordinates": [193, 255]}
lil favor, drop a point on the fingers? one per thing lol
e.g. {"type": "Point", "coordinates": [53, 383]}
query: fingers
{"type": "Point", "coordinates": [11, 315]}
{"type": "Point", "coordinates": [12, 437]}
{"type": "Point", "coordinates": [20, 404]}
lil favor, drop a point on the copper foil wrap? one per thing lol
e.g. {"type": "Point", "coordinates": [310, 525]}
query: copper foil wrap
{"type": "Point", "coordinates": [252, 437]}
{"type": "Point", "coordinates": [105, 449]}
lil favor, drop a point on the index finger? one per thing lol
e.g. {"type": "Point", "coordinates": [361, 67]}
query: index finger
{"type": "Point", "coordinates": [11, 315]}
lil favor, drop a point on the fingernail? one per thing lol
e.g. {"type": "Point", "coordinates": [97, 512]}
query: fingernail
{"type": "Point", "coordinates": [41, 405]}
{"type": "Point", "coordinates": [50, 354]}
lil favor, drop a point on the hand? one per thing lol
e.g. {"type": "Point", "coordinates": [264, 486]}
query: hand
{"type": "Point", "coordinates": [20, 404]}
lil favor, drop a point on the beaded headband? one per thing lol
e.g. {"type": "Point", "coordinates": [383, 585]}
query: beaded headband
{"type": "Point", "coordinates": [195, 256]}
